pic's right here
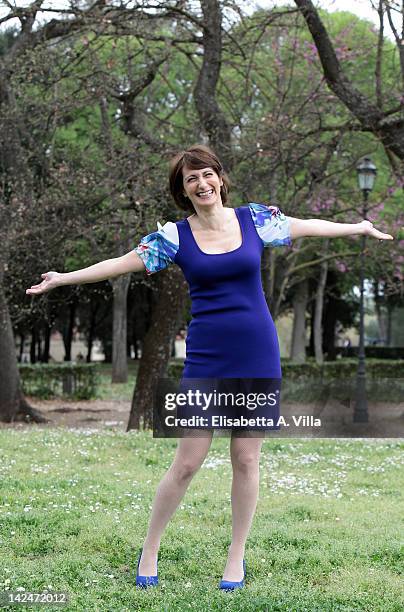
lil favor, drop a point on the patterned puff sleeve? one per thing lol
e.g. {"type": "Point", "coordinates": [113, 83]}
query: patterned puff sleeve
{"type": "Point", "coordinates": [271, 224]}
{"type": "Point", "coordinates": [158, 249]}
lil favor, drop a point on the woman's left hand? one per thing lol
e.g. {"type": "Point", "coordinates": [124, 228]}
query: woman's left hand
{"type": "Point", "coordinates": [368, 230]}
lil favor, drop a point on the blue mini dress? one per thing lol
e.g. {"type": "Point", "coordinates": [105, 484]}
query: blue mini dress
{"type": "Point", "coordinates": [231, 334]}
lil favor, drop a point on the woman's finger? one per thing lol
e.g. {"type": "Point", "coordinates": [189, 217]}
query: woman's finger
{"type": "Point", "coordinates": [383, 236]}
{"type": "Point", "coordinates": [35, 289]}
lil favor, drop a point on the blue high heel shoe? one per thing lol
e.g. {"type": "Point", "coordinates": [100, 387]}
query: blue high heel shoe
{"type": "Point", "coordinates": [145, 581]}
{"type": "Point", "coordinates": [228, 585]}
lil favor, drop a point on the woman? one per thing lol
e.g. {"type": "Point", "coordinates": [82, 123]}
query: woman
{"type": "Point", "coordinates": [231, 334]}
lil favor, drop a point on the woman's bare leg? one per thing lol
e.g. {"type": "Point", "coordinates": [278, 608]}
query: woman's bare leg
{"type": "Point", "coordinates": [245, 455]}
{"type": "Point", "coordinates": [190, 454]}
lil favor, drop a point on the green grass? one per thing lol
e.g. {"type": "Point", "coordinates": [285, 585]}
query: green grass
{"type": "Point", "coordinates": [118, 391]}
{"type": "Point", "coordinates": [74, 509]}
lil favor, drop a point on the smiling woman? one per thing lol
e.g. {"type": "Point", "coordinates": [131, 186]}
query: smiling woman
{"type": "Point", "coordinates": [192, 173]}
{"type": "Point", "coordinates": [231, 334]}
{"type": "Point", "coordinates": [202, 184]}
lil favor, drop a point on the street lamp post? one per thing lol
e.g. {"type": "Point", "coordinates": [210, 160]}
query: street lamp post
{"type": "Point", "coordinates": [366, 177]}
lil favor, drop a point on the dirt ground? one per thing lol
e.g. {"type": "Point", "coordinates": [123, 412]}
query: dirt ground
{"type": "Point", "coordinates": [385, 420]}
{"type": "Point", "coordinates": [97, 414]}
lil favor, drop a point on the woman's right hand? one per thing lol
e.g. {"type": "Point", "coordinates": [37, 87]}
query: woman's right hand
{"type": "Point", "coordinates": [50, 281]}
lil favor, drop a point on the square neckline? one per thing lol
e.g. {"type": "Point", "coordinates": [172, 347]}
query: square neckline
{"type": "Point", "coordinates": [225, 252]}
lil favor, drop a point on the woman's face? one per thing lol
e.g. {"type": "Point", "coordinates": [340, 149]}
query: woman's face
{"type": "Point", "coordinates": [202, 186]}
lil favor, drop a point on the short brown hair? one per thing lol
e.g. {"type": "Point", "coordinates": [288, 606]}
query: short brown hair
{"type": "Point", "coordinates": [196, 157]}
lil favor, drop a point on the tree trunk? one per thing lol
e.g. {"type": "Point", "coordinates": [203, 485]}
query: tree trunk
{"type": "Point", "coordinates": [390, 309]}
{"type": "Point", "coordinates": [68, 331]}
{"type": "Point", "coordinates": [300, 299]}
{"type": "Point", "coordinates": [46, 348]}
{"type": "Point", "coordinates": [22, 341]}
{"type": "Point", "coordinates": [310, 347]}
{"type": "Point", "coordinates": [134, 343]}
{"type": "Point", "coordinates": [166, 317]}
{"type": "Point", "coordinates": [120, 287]}
{"type": "Point", "coordinates": [32, 349]}
{"type": "Point", "coordinates": [39, 346]}
{"type": "Point", "coordinates": [381, 324]}
{"type": "Point", "coordinates": [318, 310]}
{"type": "Point", "coordinates": [212, 119]}
{"type": "Point", "coordinates": [12, 402]}
{"type": "Point", "coordinates": [9, 375]}
{"type": "Point", "coordinates": [91, 330]}
{"type": "Point", "coordinates": [330, 322]}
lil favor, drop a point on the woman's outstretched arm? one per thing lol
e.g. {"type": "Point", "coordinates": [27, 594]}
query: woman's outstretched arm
{"type": "Point", "coordinates": [109, 268]}
{"type": "Point", "coordinates": [299, 228]}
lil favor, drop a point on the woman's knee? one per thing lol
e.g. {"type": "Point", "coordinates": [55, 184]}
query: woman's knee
{"type": "Point", "coordinates": [184, 469]}
{"type": "Point", "coordinates": [245, 454]}
{"type": "Point", "coordinates": [245, 461]}
{"type": "Point", "coordinates": [190, 456]}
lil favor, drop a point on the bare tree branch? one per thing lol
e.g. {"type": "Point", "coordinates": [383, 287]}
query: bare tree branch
{"type": "Point", "coordinates": [371, 118]}
{"type": "Point", "coordinates": [211, 115]}
{"type": "Point", "coordinates": [398, 38]}
{"type": "Point", "coordinates": [378, 71]}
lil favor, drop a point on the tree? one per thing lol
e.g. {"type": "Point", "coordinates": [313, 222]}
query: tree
{"type": "Point", "coordinates": [386, 124]}
{"type": "Point", "coordinates": [24, 166]}
{"type": "Point", "coordinates": [93, 117]}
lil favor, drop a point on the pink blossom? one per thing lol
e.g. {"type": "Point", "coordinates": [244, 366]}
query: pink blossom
{"type": "Point", "coordinates": [379, 207]}
{"type": "Point", "coordinates": [341, 267]}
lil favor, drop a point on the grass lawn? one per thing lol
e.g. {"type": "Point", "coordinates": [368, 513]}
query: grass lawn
{"type": "Point", "coordinates": [119, 391]}
{"type": "Point", "coordinates": [75, 504]}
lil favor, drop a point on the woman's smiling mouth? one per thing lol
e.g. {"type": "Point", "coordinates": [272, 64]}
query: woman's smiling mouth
{"type": "Point", "coordinates": [205, 194]}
